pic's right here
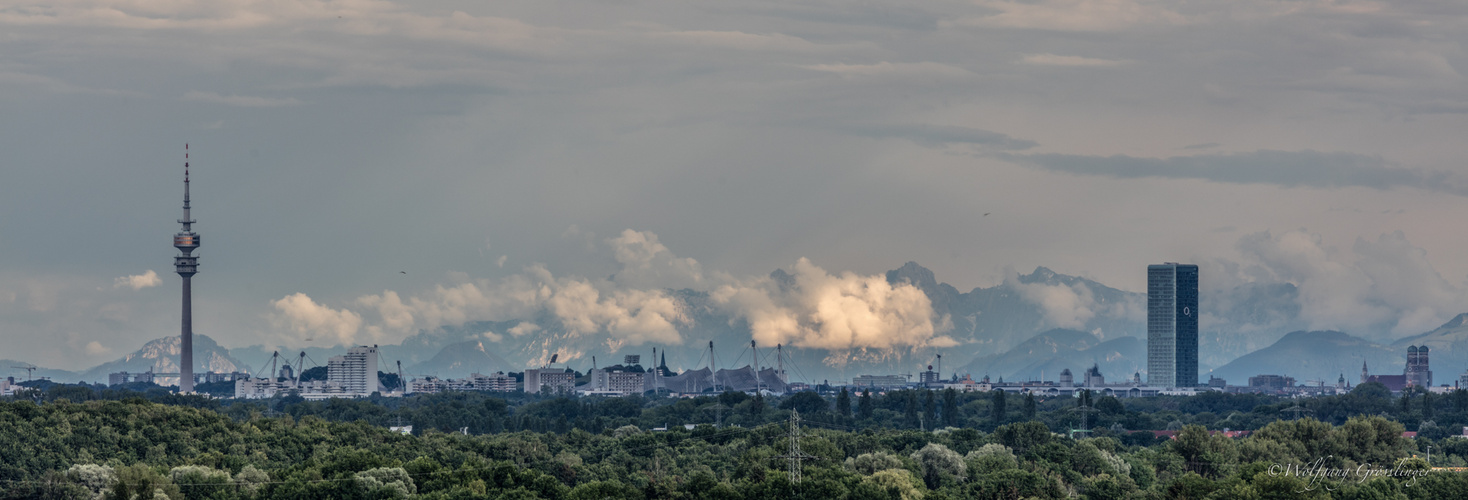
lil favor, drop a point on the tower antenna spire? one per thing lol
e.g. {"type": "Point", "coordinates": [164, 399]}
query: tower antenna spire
{"type": "Point", "coordinates": [186, 265]}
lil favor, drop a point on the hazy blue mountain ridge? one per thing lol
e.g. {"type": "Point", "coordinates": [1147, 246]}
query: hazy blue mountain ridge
{"type": "Point", "coordinates": [997, 328]}
{"type": "Point", "coordinates": [1314, 355]}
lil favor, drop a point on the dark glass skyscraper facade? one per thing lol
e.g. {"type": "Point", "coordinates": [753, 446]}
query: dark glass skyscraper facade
{"type": "Point", "coordinates": [1172, 325]}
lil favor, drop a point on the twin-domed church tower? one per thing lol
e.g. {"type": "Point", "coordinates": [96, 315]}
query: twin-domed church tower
{"type": "Point", "coordinates": [186, 265]}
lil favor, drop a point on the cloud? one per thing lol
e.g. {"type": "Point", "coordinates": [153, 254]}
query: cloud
{"type": "Point", "coordinates": [1071, 305]}
{"type": "Point", "coordinates": [738, 40]}
{"type": "Point", "coordinates": [138, 282]}
{"type": "Point", "coordinates": [925, 68]}
{"type": "Point", "coordinates": [308, 319]}
{"type": "Point", "coordinates": [1073, 61]}
{"type": "Point", "coordinates": [95, 348]}
{"type": "Point", "coordinates": [524, 328]}
{"type": "Point", "coordinates": [941, 135]}
{"type": "Point", "coordinates": [500, 262]}
{"type": "Point", "coordinates": [809, 307]}
{"type": "Point", "coordinates": [647, 263]}
{"type": "Point", "coordinates": [1063, 306]}
{"type": "Point", "coordinates": [814, 309]}
{"type": "Point", "coordinates": [240, 100]}
{"type": "Point", "coordinates": [1310, 169]}
{"type": "Point", "coordinates": [1075, 15]}
{"type": "Point", "coordinates": [577, 306]}
{"type": "Point", "coordinates": [1382, 285]}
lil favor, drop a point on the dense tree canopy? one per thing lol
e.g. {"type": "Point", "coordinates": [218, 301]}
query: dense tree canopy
{"type": "Point", "coordinates": [81, 442]}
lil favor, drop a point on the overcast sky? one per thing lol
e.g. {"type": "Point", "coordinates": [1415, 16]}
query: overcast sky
{"type": "Point", "coordinates": [339, 144]}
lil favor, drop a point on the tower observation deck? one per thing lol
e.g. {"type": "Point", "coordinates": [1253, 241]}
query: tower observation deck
{"type": "Point", "coordinates": [186, 265]}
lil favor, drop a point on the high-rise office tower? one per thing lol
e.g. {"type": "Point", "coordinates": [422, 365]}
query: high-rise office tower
{"type": "Point", "coordinates": [1172, 325]}
{"type": "Point", "coordinates": [186, 265]}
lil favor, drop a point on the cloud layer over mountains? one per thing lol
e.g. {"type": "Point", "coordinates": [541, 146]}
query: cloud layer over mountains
{"type": "Point", "coordinates": [1377, 289]}
{"type": "Point", "coordinates": [805, 307]}
{"type": "Point", "coordinates": [1280, 282]}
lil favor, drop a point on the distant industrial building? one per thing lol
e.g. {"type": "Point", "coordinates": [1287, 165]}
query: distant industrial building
{"type": "Point", "coordinates": [1271, 383]}
{"type": "Point", "coordinates": [1172, 325]}
{"type": "Point", "coordinates": [933, 377]}
{"type": "Point", "coordinates": [556, 380]}
{"type": "Point", "coordinates": [496, 382]}
{"type": "Point", "coordinates": [880, 381]}
{"type": "Point", "coordinates": [614, 382]}
{"type": "Point", "coordinates": [1093, 377]}
{"type": "Point", "coordinates": [152, 377]}
{"type": "Point", "coordinates": [120, 378]}
{"type": "Point", "coordinates": [352, 375]}
{"type": "Point", "coordinates": [929, 377]}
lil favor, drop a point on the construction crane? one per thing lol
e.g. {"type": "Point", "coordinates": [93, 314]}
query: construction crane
{"type": "Point", "coordinates": [28, 369]}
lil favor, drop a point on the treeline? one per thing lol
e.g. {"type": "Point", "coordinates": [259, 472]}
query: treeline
{"type": "Point", "coordinates": [138, 449]}
{"type": "Point", "coordinates": [1433, 416]}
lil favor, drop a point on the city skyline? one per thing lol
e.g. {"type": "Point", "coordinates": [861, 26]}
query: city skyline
{"type": "Point", "coordinates": [377, 169]}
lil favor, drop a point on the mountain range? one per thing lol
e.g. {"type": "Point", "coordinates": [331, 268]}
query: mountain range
{"type": "Point", "coordinates": [1028, 326]}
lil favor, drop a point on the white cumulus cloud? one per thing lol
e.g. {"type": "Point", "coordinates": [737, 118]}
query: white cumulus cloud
{"type": "Point", "coordinates": [307, 319]}
{"type": "Point", "coordinates": [138, 281]}
{"type": "Point", "coordinates": [814, 308]}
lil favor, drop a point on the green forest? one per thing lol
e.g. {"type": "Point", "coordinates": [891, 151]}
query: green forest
{"type": "Point", "coordinates": [65, 441]}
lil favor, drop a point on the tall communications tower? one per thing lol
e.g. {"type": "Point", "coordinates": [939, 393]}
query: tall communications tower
{"type": "Point", "coordinates": [186, 265]}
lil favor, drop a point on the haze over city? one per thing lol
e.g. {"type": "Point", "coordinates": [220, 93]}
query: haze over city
{"type": "Point", "coordinates": [367, 170]}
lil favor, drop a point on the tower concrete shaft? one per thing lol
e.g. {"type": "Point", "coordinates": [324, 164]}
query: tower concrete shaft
{"type": "Point", "coordinates": [186, 265]}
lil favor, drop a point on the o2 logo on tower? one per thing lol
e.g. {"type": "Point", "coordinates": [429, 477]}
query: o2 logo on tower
{"type": "Point", "coordinates": [1187, 311]}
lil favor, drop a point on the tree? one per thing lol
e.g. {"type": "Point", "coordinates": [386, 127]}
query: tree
{"type": "Point", "coordinates": [1030, 407]}
{"type": "Point", "coordinates": [930, 408]}
{"type": "Point", "coordinates": [1023, 436]}
{"type": "Point", "coordinates": [1427, 405]}
{"type": "Point", "coordinates": [1207, 455]}
{"type": "Point", "coordinates": [313, 373]}
{"type": "Point", "coordinates": [143, 481]}
{"type": "Point", "coordinates": [864, 407]}
{"type": "Point", "coordinates": [950, 407]}
{"type": "Point", "coordinates": [843, 404]}
{"type": "Point", "coordinates": [757, 405]}
{"type": "Point", "coordinates": [999, 406]}
{"type": "Point", "coordinates": [805, 402]}
{"type": "Point", "coordinates": [910, 412]}
{"type": "Point", "coordinates": [940, 463]}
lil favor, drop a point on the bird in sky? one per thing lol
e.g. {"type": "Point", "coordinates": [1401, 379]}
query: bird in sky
{"type": "Point", "coordinates": [405, 272]}
{"type": "Point", "coordinates": [986, 214]}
